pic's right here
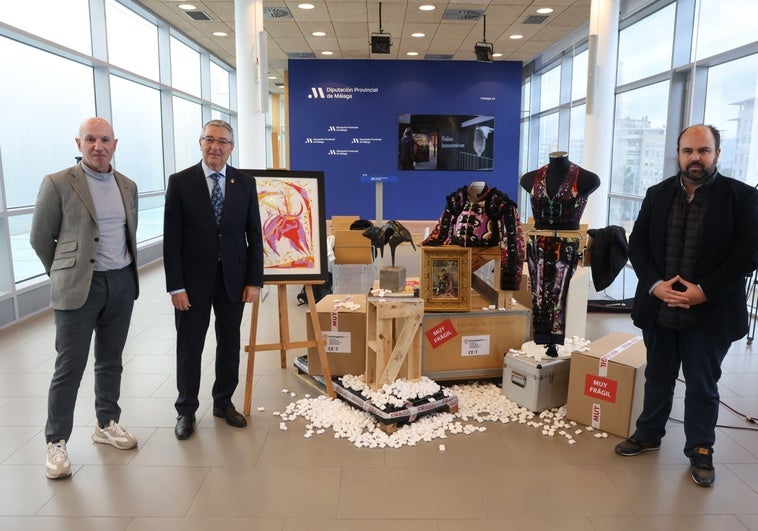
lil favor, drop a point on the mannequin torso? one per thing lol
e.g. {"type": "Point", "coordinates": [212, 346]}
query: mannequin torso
{"type": "Point", "coordinates": [559, 192]}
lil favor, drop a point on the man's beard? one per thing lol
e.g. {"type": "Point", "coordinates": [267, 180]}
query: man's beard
{"type": "Point", "coordinates": [696, 172]}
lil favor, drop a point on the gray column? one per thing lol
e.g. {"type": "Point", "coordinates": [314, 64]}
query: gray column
{"type": "Point", "coordinates": [252, 94]}
{"type": "Point", "coordinates": [599, 122]}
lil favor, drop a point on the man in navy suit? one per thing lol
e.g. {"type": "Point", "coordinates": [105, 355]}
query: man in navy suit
{"type": "Point", "coordinates": [694, 243]}
{"type": "Point", "coordinates": [213, 258]}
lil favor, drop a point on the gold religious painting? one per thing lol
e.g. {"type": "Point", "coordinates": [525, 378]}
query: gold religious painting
{"type": "Point", "coordinates": [446, 278]}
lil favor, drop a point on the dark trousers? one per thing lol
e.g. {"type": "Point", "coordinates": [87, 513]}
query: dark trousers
{"type": "Point", "coordinates": [700, 360]}
{"type": "Point", "coordinates": [107, 312]}
{"type": "Point", "coordinates": [191, 329]}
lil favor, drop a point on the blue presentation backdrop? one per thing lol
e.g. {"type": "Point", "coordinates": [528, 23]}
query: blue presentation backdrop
{"type": "Point", "coordinates": [346, 120]}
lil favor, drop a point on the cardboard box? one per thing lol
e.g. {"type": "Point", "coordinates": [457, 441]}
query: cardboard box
{"type": "Point", "coordinates": [471, 344]}
{"type": "Point", "coordinates": [606, 384]}
{"type": "Point", "coordinates": [345, 333]}
{"type": "Point", "coordinates": [353, 278]}
{"type": "Point", "coordinates": [535, 385]}
{"type": "Point", "coordinates": [350, 246]}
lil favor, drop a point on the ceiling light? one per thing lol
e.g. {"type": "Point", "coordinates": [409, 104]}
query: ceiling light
{"type": "Point", "coordinates": [186, 7]}
{"type": "Point", "coordinates": [545, 10]}
{"type": "Point", "coordinates": [483, 49]}
{"type": "Point", "coordinates": [318, 34]}
{"type": "Point", "coordinates": [327, 52]}
{"type": "Point", "coordinates": [220, 33]}
{"type": "Point", "coordinates": [427, 7]}
{"type": "Point", "coordinates": [412, 53]}
{"type": "Point", "coordinates": [516, 36]}
{"type": "Point", "coordinates": [272, 77]}
{"type": "Point", "coordinates": [497, 54]}
{"type": "Point", "coordinates": [418, 35]}
{"type": "Point", "coordinates": [306, 6]}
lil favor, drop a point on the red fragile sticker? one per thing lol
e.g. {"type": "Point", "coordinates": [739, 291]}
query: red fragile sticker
{"type": "Point", "coordinates": [442, 333]}
{"type": "Point", "coordinates": [600, 388]}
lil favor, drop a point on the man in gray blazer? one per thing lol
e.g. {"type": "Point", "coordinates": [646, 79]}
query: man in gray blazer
{"type": "Point", "coordinates": [84, 231]}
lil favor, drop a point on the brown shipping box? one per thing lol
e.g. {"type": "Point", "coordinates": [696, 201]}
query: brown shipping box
{"type": "Point", "coordinates": [471, 344]}
{"type": "Point", "coordinates": [345, 333]}
{"type": "Point", "coordinates": [606, 384]}
{"type": "Point", "coordinates": [350, 246]}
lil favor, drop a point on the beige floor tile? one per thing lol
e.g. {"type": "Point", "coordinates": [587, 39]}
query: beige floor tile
{"type": "Point", "coordinates": [533, 522]}
{"type": "Point", "coordinates": [239, 492]}
{"type": "Point", "coordinates": [560, 489]}
{"type": "Point", "coordinates": [206, 524]}
{"type": "Point", "coordinates": [221, 446]}
{"type": "Point", "coordinates": [409, 493]}
{"type": "Point", "coordinates": [157, 491]}
{"type": "Point", "coordinates": [52, 523]}
{"type": "Point", "coordinates": [669, 489]}
{"type": "Point", "coordinates": [291, 449]}
{"type": "Point", "coordinates": [705, 522]}
{"type": "Point", "coordinates": [14, 438]}
{"type": "Point", "coordinates": [310, 524]}
{"type": "Point", "coordinates": [477, 449]}
{"type": "Point", "coordinates": [24, 489]}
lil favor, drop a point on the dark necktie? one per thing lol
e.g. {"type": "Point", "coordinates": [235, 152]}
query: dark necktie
{"type": "Point", "coordinates": [217, 199]}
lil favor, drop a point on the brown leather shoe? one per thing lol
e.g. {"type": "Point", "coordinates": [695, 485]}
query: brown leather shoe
{"type": "Point", "coordinates": [231, 416]}
{"type": "Point", "coordinates": [185, 426]}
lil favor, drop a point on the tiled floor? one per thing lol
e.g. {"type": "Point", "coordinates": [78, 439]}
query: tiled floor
{"type": "Point", "coordinates": [262, 478]}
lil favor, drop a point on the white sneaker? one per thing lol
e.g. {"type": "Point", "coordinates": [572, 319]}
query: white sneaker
{"type": "Point", "coordinates": [114, 435]}
{"type": "Point", "coordinates": [57, 464]}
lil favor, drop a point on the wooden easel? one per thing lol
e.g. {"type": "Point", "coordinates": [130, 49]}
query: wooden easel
{"type": "Point", "coordinates": [284, 343]}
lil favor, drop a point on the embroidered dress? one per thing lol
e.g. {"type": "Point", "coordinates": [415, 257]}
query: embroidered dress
{"type": "Point", "coordinates": [489, 221]}
{"type": "Point", "coordinates": [563, 210]}
{"type": "Point", "coordinates": [551, 261]}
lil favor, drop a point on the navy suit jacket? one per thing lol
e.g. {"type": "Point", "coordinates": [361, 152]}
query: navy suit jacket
{"type": "Point", "coordinates": [193, 243]}
{"type": "Point", "coordinates": [728, 253]}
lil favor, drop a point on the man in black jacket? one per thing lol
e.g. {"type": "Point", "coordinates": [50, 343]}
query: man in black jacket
{"type": "Point", "coordinates": [693, 244]}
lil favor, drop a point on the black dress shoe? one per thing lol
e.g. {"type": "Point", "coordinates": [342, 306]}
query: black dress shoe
{"type": "Point", "coordinates": [185, 426]}
{"type": "Point", "coordinates": [231, 416]}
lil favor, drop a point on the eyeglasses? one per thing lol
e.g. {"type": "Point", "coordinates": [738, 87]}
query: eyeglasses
{"type": "Point", "coordinates": [209, 141]}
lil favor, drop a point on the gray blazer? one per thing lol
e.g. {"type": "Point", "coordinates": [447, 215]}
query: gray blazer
{"type": "Point", "coordinates": [64, 233]}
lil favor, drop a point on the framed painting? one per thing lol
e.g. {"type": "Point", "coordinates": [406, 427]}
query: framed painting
{"type": "Point", "coordinates": [446, 278]}
{"type": "Point", "coordinates": [293, 223]}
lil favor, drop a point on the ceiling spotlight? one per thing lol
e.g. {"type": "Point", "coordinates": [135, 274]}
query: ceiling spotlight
{"type": "Point", "coordinates": [186, 7]}
{"type": "Point", "coordinates": [220, 33]}
{"type": "Point", "coordinates": [484, 49]}
{"type": "Point", "coordinates": [418, 35]}
{"type": "Point", "coordinates": [318, 34]}
{"type": "Point", "coordinates": [306, 6]}
{"type": "Point", "coordinates": [327, 52]}
{"type": "Point", "coordinates": [545, 10]}
{"type": "Point", "coordinates": [412, 54]}
{"type": "Point", "coordinates": [427, 7]}
{"type": "Point", "coordinates": [516, 36]}
{"type": "Point", "coordinates": [380, 42]}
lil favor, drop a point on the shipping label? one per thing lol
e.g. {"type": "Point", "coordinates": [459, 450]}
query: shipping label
{"type": "Point", "coordinates": [600, 388]}
{"type": "Point", "coordinates": [441, 334]}
{"type": "Point", "coordinates": [337, 342]}
{"type": "Point", "coordinates": [475, 345]}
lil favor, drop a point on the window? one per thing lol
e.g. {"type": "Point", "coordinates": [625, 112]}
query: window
{"type": "Point", "coordinates": [730, 107]}
{"type": "Point", "coordinates": [185, 68]}
{"type": "Point", "coordinates": [722, 26]}
{"type": "Point", "coordinates": [548, 139]}
{"type": "Point", "coordinates": [187, 129]}
{"type": "Point", "coordinates": [42, 142]}
{"type": "Point", "coordinates": [66, 23]}
{"type": "Point", "coordinates": [638, 148]}
{"type": "Point", "coordinates": [219, 85]}
{"type": "Point", "coordinates": [576, 134]}
{"type": "Point", "coordinates": [139, 154]}
{"type": "Point", "coordinates": [645, 48]}
{"type": "Point", "coordinates": [132, 41]}
{"type": "Point", "coordinates": [550, 88]}
{"type": "Point", "coordinates": [579, 75]}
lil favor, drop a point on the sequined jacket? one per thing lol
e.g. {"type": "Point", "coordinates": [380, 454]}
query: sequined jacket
{"type": "Point", "coordinates": [492, 220]}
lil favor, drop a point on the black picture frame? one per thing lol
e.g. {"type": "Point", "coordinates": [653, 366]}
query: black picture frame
{"type": "Point", "coordinates": [293, 223]}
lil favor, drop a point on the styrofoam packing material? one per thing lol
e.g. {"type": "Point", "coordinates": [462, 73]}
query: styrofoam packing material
{"type": "Point", "coordinates": [480, 402]}
{"type": "Point", "coordinates": [539, 352]}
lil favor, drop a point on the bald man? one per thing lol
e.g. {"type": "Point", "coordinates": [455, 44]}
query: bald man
{"type": "Point", "coordinates": [84, 232]}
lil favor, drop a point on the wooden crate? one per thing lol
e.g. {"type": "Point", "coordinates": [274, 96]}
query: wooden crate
{"type": "Point", "coordinates": [393, 340]}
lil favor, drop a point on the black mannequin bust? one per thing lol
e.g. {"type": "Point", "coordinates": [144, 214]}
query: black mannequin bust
{"type": "Point", "coordinates": [557, 168]}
